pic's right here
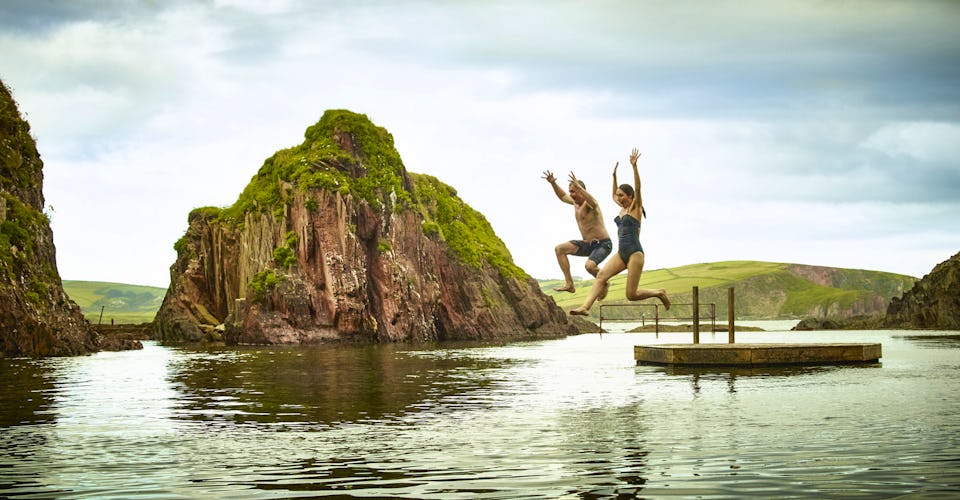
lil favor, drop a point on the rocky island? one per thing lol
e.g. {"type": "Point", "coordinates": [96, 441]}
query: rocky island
{"type": "Point", "coordinates": [334, 240]}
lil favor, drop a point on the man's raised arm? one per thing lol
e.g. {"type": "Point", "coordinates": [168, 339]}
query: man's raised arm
{"type": "Point", "coordinates": [564, 197]}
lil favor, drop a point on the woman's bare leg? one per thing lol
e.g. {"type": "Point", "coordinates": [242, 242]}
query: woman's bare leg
{"type": "Point", "coordinates": [613, 266]}
{"type": "Point", "coordinates": [634, 292]}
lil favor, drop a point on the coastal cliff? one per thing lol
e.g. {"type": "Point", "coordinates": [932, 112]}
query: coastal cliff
{"type": "Point", "coordinates": [333, 240]}
{"type": "Point", "coordinates": [933, 302]}
{"type": "Point", "coordinates": [36, 316]}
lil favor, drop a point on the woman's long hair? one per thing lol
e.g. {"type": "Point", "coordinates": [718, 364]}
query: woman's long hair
{"type": "Point", "coordinates": [628, 190]}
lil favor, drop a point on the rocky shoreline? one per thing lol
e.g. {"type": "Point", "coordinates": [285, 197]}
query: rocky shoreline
{"type": "Point", "coordinates": [122, 337]}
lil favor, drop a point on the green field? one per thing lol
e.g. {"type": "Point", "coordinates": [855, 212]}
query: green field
{"type": "Point", "coordinates": [121, 303]}
{"type": "Point", "coordinates": [763, 290]}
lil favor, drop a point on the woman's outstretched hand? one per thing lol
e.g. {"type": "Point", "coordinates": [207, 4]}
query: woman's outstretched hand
{"type": "Point", "coordinates": [633, 156]}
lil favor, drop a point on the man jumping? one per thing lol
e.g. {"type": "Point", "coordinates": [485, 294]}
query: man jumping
{"type": "Point", "coordinates": [595, 243]}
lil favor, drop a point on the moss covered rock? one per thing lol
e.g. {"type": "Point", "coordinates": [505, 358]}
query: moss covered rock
{"type": "Point", "coordinates": [36, 316]}
{"type": "Point", "coordinates": [334, 240]}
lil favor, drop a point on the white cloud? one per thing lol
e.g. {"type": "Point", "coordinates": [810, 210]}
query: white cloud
{"type": "Point", "coordinates": [796, 131]}
{"type": "Point", "coordinates": [929, 142]}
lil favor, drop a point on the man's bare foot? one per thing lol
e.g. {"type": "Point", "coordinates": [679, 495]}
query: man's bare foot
{"type": "Point", "coordinates": [663, 298]}
{"type": "Point", "coordinates": [580, 312]}
{"type": "Point", "coordinates": [603, 290]}
{"type": "Point", "coordinates": [569, 288]}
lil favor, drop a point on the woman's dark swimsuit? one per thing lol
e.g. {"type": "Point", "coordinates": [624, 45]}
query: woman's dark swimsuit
{"type": "Point", "coordinates": [628, 234]}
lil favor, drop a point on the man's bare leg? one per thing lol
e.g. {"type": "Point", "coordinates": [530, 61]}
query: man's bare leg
{"type": "Point", "coordinates": [562, 250]}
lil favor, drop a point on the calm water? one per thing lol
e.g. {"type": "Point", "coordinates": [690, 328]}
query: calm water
{"type": "Point", "coordinates": [571, 418]}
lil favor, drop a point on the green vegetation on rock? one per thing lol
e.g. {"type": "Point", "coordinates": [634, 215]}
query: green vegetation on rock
{"type": "Point", "coordinates": [283, 257]}
{"type": "Point", "coordinates": [343, 152]}
{"type": "Point", "coordinates": [21, 218]}
{"type": "Point", "coordinates": [263, 283]}
{"type": "Point", "coordinates": [346, 153]}
{"type": "Point", "coordinates": [466, 231]}
{"type": "Point", "coordinates": [19, 159]}
{"type": "Point", "coordinates": [18, 231]}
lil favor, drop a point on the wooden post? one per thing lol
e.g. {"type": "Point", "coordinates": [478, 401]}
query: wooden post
{"type": "Point", "coordinates": [713, 318]}
{"type": "Point", "coordinates": [100, 321]}
{"type": "Point", "coordinates": [696, 315]}
{"type": "Point", "coordinates": [656, 312]}
{"type": "Point", "coordinates": [731, 331]}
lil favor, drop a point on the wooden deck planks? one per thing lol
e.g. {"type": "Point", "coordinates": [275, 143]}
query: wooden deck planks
{"type": "Point", "coordinates": [757, 354]}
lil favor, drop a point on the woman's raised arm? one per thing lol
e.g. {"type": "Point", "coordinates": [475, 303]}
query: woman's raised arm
{"type": "Point", "coordinates": [637, 199]}
{"type": "Point", "coordinates": [615, 185]}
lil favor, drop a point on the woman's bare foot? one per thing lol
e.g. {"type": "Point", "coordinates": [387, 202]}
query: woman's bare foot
{"type": "Point", "coordinates": [580, 312]}
{"type": "Point", "coordinates": [663, 298]}
{"type": "Point", "coordinates": [568, 288]}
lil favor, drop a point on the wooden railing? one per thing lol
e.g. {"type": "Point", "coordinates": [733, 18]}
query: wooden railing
{"type": "Point", "coordinates": [659, 314]}
{"type": "Point", "coordinates": [695, 316]}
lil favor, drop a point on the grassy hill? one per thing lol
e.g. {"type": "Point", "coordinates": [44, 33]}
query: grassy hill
{"type": "Point", "coordinates": [124, 304]}
{"type": "Point", "coordinates": [763, 290]}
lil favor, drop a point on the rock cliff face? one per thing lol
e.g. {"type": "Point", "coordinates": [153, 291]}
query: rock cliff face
{"type": "Point", "coordinates": [933, 302]}
{"type": "Point", "coordinates": [875, 289]}
{"type": "Point", "coordinates": [36, 316]}
{"type": "Point", "coordinates": [333, 240]}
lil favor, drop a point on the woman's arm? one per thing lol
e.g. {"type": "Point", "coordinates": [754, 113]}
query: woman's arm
{"type": "Point", "coordinates": [615, 185]}
{"type": "Point", "coordinates": [637, 205]}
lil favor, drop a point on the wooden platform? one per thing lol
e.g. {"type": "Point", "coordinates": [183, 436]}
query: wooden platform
{"type": "Point", "coordinates": [756, 354]}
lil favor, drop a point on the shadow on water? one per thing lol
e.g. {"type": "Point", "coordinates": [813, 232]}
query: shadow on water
{"type": "Point", "coordinates": [28, 390]}
{"type": "Point", "coordinates": [26, 386]}
{"type": "Point", "coordinates": [321, 385]}
{"type": "Point", "coordinates": [934, 341]}
{"type": "Point", "coordinates": [730, 374]}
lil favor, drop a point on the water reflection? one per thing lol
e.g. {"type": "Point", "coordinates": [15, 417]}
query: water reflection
{"type": "Point", "coordinates": [729, 375]}
{"type": "Point", "coordinates": [934, 340]}
{"type": "Point", "coordinates": [606, 450]}
{"type": "Point", "coordinates": [324, 385]}
{"type": "Point", "coordinates": [25, 388]}
{"type": "Point", "coordinates": [571, 418]}
{"type": "Point", "coordinates": [95, 414]}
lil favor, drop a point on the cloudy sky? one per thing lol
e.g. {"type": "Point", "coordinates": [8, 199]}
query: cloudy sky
{"type": "Point", "coordinates": [816, 132]}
